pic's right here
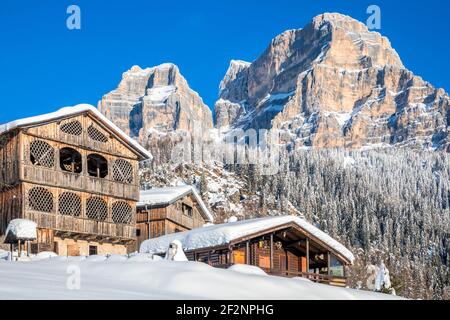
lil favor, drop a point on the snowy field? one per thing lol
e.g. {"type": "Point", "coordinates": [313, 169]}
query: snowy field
{"type": "Point", "coordinates": [142, 278]}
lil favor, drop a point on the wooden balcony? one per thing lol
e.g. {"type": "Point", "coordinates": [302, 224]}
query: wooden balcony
{"type": "Point", "coordinates": [72, 225]}
{"type": "Point", "coordinates": [79, 182]}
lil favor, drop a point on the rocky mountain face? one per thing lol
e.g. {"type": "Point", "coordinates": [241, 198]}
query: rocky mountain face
{"type": "Point", "coordinates": [334, 84]}
{"type": "Point", "coordinates": [155, 102]}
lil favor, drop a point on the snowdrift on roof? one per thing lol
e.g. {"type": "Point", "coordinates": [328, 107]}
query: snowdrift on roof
{"type": "Point", "coordinates": [69, 111]}
{"type": "Point", "coordinates": [168, 195]}
{"type": "Point", "coordinates": [221, 234]}
{"type": "Point", "coordinates": [20, 229]}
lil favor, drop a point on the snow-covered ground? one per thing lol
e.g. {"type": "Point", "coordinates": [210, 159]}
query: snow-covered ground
{"type": "Point", "coordinates": [142, 278]}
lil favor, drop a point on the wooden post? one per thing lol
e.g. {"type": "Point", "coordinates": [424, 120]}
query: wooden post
{"type": "Point", "coordinates": [287, 262]}
{"type": "Point", "coordinates": [329, 263]}
{"type": "Point", "coordinates": [20, 249]}
{"type": "Point", "coordinates": [247, 253]}
{"type": "Point", "coordinates": [148, 223]}
{"type": "Point", "coordinates": [11, 249]}
{"type": "Point", "coordinates": [307, 255]}
{"type": "Point", "coordinates": [231, 255]}
{"type": "Point", "coordinates": [271, 252]}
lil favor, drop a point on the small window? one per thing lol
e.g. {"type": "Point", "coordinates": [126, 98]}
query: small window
{"type": "Point", "coordinates": [93, 250]}
{"type": "Point", "coordinates": [96, 134]}
{"type": "Point", "coordinates": [96, 209]}
{"type": "Point", "coordinates": [40, 199]}
{"type": "Point", "coordinates": [122, 171]}
{"type": "Point", "coordinates": [73, 128]}
{"type": "Point", "coordinates": [138, 232]}
{"type": "Point", "coordinates": [97, 166]}
{"type": "Point", "coordinates": [42, 154]}
{"type": "Point", "coordinates": [70, 160]}
{"type": "Point", "coordinates": [187, 210]}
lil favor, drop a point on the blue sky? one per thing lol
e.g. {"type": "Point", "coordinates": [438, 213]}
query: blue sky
{"type": "Point", "coordinates": [45, 66]}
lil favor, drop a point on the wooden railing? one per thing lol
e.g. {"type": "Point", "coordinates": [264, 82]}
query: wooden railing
{"type": "Point", "coordinates": [81, 225]}
{"type": "Point", "coordinates": [80, 182]}
{"type": "Point", "coordinates": [177, 216]}
{"type": "Point", "coordinates": [315, 277]}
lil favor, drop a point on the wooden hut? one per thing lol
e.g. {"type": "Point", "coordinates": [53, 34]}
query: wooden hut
{"type": "Point", "coordinates": [75, 174]}
{"type": "Point", "coordinates": [285, 246]}
{"type": "Point", "coordinates": [162, 211]}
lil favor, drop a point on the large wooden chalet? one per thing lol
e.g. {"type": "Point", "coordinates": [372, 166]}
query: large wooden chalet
{"type": "Point", "coordinates": [285, 246]}
{"type": "Point", "coordinates": [75, 174]}
{"type": "Point", "coordinates": [162, 211]}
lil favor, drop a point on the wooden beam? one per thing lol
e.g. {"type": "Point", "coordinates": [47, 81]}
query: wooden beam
{"type": "Point", "coordinates": [271, 251]}
{"type": "Point", "coordinates": [307, 255]}
{"type": "Point", "coordinates": [329, 263]}
{"type": "Point", "coordinates": [287, 259]}
{"type": "Point", "coordinates": [247, 253]}
{"type": "Point", "coordinates": [231, 255]}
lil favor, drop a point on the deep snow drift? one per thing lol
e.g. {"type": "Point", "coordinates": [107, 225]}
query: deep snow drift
{"type": "Point", "coordinates": [134, 279]}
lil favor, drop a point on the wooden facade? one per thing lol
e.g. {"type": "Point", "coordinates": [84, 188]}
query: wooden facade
{"type": "Point", "coordinates": [76, 178]}
{"type": "Point", "coordinates": [182, 214]}
{"type": "Point", "coordinates": [285, 251]}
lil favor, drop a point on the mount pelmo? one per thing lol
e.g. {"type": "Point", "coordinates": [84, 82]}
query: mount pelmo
{"type": "Point", "coordinates": [334, 84]}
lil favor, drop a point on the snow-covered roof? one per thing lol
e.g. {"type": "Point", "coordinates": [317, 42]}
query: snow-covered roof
{"type": "Point", "coordinates": [216, 235]}
{"type": "Point", "coordinates": [72, 111]}
{"type": "Point", "coordinates": [168, 195]}
{"type": "Point", "coordinates": [20, 229]}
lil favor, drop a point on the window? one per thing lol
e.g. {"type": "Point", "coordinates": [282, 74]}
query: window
{"type": "Point", "coordinates": [40, 199]}
{"type": "Point", "coordinates": [121, 212]}
{"type": "Point", "coordinates": [138, 232]}
{"type": "Point", "coordinates": [97, 166]}
{"type": "Point", "coordinates": [73, 128]}
{"type": "Point", "coordinates": [70, 160]}
{"type": "Point", "coordinates": [96, 134]}
{"type": "Point", "coordinates": [122, 171]}
{"type": "Point", "coordinates": [42, 154]}
{"type": "Point", "coordinates": [336, 267]}
{"type": "Point", "coordinates": [93, 250]}
{"type": "Point", "coordinates": [187, 210]}
{"type": "Point", "coordinates": [96, 209]}
{"type": "Point", "coordinates": [69, 204]}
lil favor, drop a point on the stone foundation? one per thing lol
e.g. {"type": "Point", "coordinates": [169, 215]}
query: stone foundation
{"type": "Point", "coordinates": [70, 247]}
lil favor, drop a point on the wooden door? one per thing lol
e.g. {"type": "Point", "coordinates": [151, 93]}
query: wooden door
{"type": "Point", "coordinates": [264, 262]}
{"type": "Point", "coordinates": [239, 257]}
{"type": "Point", "coordinates": [303, 264]}
{"type": "Point", "coordinates": [73, 250]}
{"type": "Point", "coordinates": [283, 266]}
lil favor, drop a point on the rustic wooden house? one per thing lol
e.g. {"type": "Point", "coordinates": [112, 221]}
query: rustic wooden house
{"type": "Point", "coordinates": [75, 174]}
{"type": "Point", "coordinates": [162, 211]}
{"type": "Point", "coordinates": [285, 246]}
